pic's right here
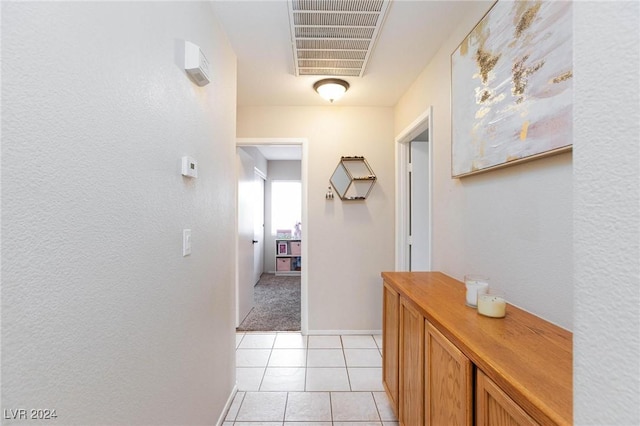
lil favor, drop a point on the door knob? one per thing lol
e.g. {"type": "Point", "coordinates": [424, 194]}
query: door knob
{"type": "Point", "coordinates": [254, 242]}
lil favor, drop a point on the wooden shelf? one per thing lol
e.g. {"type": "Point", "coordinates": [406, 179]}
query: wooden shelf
{"type": "Point", "coordinates": [353, 178]}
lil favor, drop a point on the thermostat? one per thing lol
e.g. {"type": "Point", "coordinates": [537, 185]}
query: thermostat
{"type": "Point", "coordinates": [189, 167]}
{"type": "Point", "coordinates": [196, 64]}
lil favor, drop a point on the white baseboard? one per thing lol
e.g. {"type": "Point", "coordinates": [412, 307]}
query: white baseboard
{"type": "Point", "coordinates": [227, 405]}
{"type": "Point", "coordinates": [342, 332]}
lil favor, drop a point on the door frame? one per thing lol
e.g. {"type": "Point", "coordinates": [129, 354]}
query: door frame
{"type": "Point", "coordinates": [304, 142]}
{"type": "Point", "coordinates": [402, 142]}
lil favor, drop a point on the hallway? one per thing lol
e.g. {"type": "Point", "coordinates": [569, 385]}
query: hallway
{"type": "Point", "coordinates": [285, 378]}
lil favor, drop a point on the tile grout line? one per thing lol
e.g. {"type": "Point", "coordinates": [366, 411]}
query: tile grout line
{"type": "Point", "coordinates": [239, 407]}
{"type": "Point", "coordinates": [306, 363]}
{"type": "Point", "coordinates": [346, 366]}
{"type": "Point", "coordinates": [267, 366]}
{"type": "Point", "coordinates": [240, 342]}
{"type": "Point", "coordinates": [286, 403]}
{"type": "Point", "coordinates": [331, 406]}
{"type": "Point", "coordinates": [375, 403]}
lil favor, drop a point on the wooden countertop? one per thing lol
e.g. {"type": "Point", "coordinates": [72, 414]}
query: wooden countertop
{"type": "Point", "coordinates": [528, 357]}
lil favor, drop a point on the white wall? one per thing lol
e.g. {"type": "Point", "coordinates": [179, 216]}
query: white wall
{"type": "Point", "coordinates": [607, 213]}
{"type": "Point", "coordinates": [284, 169]}
{"type": "Point", "coordinates": [349, 243]}
{"type": "Point", "coordinates": [513, 225]}
{"type": "Point", "coordinates": [102, 318]}
{"type": "Point", "coordinates": [261, 163]}
{"type": "Point", "coordinates": [278, 170]}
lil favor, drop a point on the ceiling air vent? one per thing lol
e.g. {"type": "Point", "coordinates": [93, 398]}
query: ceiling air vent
{"type": "Point", "coordinates": [334, 37]}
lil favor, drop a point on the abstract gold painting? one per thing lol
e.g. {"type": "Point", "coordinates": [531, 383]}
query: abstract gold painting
{"type": "Point", "coordinates": [512, 87]}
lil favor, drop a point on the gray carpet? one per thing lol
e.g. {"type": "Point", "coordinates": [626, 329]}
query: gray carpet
{"type": "Point", "coordinates": [277, 305]}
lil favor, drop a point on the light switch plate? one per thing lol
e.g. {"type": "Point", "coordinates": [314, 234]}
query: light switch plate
{"type": "Point", "coordinates": [186, 242]}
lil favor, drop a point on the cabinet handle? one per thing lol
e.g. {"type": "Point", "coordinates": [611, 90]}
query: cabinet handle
{"type": "Point", "coordinates": [254, 242]}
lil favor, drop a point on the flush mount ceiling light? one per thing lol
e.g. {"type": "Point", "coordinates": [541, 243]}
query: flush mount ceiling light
{"type": "Point", "coordinates": [331, 88]}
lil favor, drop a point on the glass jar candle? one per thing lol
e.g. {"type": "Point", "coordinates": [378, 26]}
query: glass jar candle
{"type": "Point", "coordinates": [475, 284]}
{"type": "Point", "coordinates": [492, 305]}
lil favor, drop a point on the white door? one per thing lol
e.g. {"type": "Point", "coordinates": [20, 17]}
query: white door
{"type": "Point", "coordinates": [419, 256]}
{"type": "Point", "coordinates": [258, 228]}
{"type": "Point", "coordinates": [246, 190]}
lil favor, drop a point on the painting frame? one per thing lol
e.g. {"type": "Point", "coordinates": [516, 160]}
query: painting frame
{"type": "Point", "coordinates": [283, 248]}
{"type": "Point", "coordinates": [512, 87]}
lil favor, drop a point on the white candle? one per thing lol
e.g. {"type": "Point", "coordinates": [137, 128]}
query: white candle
{"type": "Point", "coordinates": [475, 285]}
{"type": "Point", "coordinates": [492, 306]}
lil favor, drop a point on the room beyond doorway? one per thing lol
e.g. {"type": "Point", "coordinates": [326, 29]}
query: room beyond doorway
{"type": "Point", "coordinates": [268, 277]}
{"type": "Point", "coordinates": [277, 305]}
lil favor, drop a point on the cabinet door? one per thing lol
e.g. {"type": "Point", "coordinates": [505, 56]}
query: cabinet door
{"type": "Point", "coordinates": [448, 382]}
{"type": "Point", "coordinates": [496, 408]}
{"type": "Point", "coordinates": [390, 343]}
{"type": "Point", "coordinates": [411, 411]}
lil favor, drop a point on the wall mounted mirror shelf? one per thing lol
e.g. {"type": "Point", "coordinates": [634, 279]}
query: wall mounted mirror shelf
{"type": "Point", "coordinates": [353, 178]}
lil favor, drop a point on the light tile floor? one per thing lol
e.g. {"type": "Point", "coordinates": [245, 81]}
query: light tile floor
{"type": "Point", "coordinates": [288, 379]}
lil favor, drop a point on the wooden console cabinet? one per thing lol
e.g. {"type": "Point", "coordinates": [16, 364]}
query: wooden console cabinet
{"type": "Point", "coordinates": [444, 364]}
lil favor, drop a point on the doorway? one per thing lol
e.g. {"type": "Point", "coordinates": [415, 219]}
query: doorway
{"type": "Point", "coordinates": [243, 263]}
{"type": "Point", "coordinates": [414, 170]}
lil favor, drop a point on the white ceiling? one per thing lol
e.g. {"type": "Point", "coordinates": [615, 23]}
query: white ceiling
{"type": "Point", "coordinates": [259, 34]}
